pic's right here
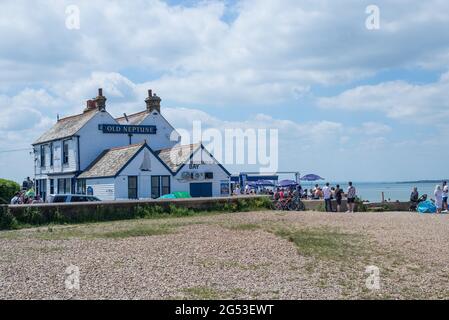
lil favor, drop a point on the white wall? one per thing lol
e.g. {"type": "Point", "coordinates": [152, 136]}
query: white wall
{"type": "Point", "coordinates": [57, 167]}
{"type": "Point", "coordinates": [161, 139]}
{"type": "Point", "coordinates": [104, 188]}
{"type": "Point", "coordinates": [93, 141]}
{"type": "Point", "coordinates": [209, 166]}
{"type": "Point", "coordinates": [144, 177]}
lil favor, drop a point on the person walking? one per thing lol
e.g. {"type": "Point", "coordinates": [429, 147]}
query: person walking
{"type": "Point", "coordinates": [438, 193]}
{"type": "Point", "coordinates": [338, 196]}
{"type": "Point", "coordinates": [445, 194]}
{"type": "Point", "coordinates": [351, 197]}
{"type": "Point", "coordinates": [327, 195]}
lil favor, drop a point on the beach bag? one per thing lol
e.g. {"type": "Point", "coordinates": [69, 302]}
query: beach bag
{"type": "Point", "coordinates": [427, 207]}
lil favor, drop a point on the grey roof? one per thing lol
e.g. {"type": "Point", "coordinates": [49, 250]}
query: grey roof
{"type": "Point", "coordinates": [66, 127]}
{"type": "Point", "coordinates": [133, 119]}
{"type": "Point", "coordinates": [111, 161]}
{"type": "Point", "coordinates": [180, 155]}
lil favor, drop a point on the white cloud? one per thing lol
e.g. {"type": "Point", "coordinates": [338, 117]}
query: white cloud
{"type": "Point", "coordinates": [271, 52]}
{"type": "Point", "coordinates": [425, 103]}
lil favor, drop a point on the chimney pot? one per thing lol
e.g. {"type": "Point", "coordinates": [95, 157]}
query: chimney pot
{"type": "Point", "coordinates": [100, 101]}
{"type": "Point", "coordinates": [90, 105]}
{"type": "Point", "coordinates": [153, 102]}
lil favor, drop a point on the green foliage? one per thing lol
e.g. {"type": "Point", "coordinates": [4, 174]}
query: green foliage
{"type": "Point", "coordinates": [360, 206]}
{"type": "Point", "coordinates": [7, 220]}
{"type": "Point", "coordinates": [31, 215]}
{"type": "Point", "coordinates": [324, 243]}
{"type": "Point", "coordinates": [7, 190]}
{"type": "Point", "coordinates": [321, 207]}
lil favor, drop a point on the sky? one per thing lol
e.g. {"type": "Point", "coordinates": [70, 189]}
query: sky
{"type": "Point", "coordinates": [349, 102]}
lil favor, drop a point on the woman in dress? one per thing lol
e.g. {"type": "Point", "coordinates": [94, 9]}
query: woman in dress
{"type": "Point", "coordinates": [438, 198]}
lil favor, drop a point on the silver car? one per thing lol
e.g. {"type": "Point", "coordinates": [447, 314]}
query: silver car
{"type": "Point", "coordinates": [70, 198]}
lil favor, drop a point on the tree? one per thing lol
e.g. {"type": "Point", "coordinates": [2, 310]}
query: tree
{"type": "Point", "coordinates": [7, 190]}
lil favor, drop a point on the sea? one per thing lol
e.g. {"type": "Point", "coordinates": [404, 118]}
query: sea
{"type": "Point", "coordinates": [393, 191]}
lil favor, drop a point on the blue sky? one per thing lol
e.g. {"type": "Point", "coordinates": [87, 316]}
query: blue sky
{"type": "Point", "coordinates": [349, 103]}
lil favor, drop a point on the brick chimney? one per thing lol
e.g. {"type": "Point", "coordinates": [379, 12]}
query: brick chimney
{"type": "Point", "coordinates": [100, 101]}
{"type": "Point", "coordinates": [153, 102]}
{"type": "Point", "coordinates": [90, 105]}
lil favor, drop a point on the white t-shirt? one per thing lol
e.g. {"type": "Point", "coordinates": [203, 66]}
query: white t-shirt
{"type": "Point", "coordinates": [327, 192]}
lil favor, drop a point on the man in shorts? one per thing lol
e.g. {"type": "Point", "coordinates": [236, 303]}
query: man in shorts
{"type": "Point", "coordinates": [351, 197]}
{"type": "Point", "coordinates": [445, 194]}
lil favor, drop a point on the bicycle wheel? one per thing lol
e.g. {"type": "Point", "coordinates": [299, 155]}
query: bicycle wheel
{"type": "Point", "coordinates": [301, 206]}
{"type": "Point", "coordinates": [292, 206]}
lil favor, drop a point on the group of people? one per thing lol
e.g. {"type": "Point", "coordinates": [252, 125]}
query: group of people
{"type": "Point", "coordinates": [26, 195]}
{"type": "Point", "coordinates": [327, 193]}
{"type": "Point", "coordinates": [440, 193]}
{"type": "Point", "coordinates": [251, 191]}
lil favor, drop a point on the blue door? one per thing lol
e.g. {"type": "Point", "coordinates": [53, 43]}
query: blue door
{"type": "Point", "coordinates": [203, 189]}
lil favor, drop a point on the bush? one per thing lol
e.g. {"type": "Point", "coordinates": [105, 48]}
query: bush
{"type": "Point", "coordinates": [30, 215]}
{"type": "Point", "coordinates": [7, 220]}
{"type": "Point", "coordinates": [7, 190]}
{"type": "Point", "coordinates": [360, 206]}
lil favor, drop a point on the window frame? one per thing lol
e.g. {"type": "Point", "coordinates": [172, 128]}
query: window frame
{"type": "Point", "coordinates": [158, 187]}
{"type": "Point", "coordinates": [42, 152]}
{"type": "Point", "coordinates": [162, 185]}
{"type": "Point", "coordinates": [65, 155]}
{"type": "Point", "coordinates": [52, 155]}
{"type": "Point", "coordinates": [136, 187]}
{"type": "Point", "coordinates": [52, 186]}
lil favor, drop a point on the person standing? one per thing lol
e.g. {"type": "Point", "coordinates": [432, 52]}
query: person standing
{"type": "Point", "coordinates": [327, 195]}
{"type": "Point", "coordinates": [414, 199]}
{"type": "Point", "coordinates": [338, 197]}
{"type": "Point", "coordinates": [445, 194]}
{"type": "Point", "coordinates": [438, 193]}
{"type": "Point", "coordinates": [351, 197]}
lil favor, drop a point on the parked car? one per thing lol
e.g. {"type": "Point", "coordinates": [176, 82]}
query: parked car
{"type": "Point", "coordinates": [69, 198]}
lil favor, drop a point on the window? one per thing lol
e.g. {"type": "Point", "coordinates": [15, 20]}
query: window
{"type": "Point", "coordinates": [81, 186]}
{"type": "Point", "coordinates": [65, 152]}
{"type": "Point", "coordinates": [209, 175]}
{"type": "Point", "coordinates": [132, 187]}
{"type": "Point", "coordinates": [42, 156]}
{"type": "Point", "coordinates": [41, 186]}
{"type": "Point", "coordinates": [165, 184]}
{"type": "Point", "coordinates": [155, 187]}
{"type": "Point", "coordinates": [60, 186]}
{"type": "Point", "coordinates": [160, 185]}
{"type": "Point", "coordinates": [52, 186]}
{"type": "Point", "coordinates": [51, 154]}
{"type": "Point", "coordinates": [64, 186]}
{"type": "Point", "coordinates": [79, 199]}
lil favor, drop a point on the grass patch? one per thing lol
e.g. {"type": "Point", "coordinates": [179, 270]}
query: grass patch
{"type": "Point", "coordinates": [208, 293]}
{"type": "Point", "coordinates": [325, 243]}
{"type": "Point", "coordinates": [242, 227]}
{"type": "Point", "coordinates": [139, 231]}
{"type": "Point", "coordinates": [202, 293]}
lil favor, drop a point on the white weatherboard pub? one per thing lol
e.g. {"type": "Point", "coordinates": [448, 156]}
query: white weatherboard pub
{"type": "Point", "coordinates": [137, 156]}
